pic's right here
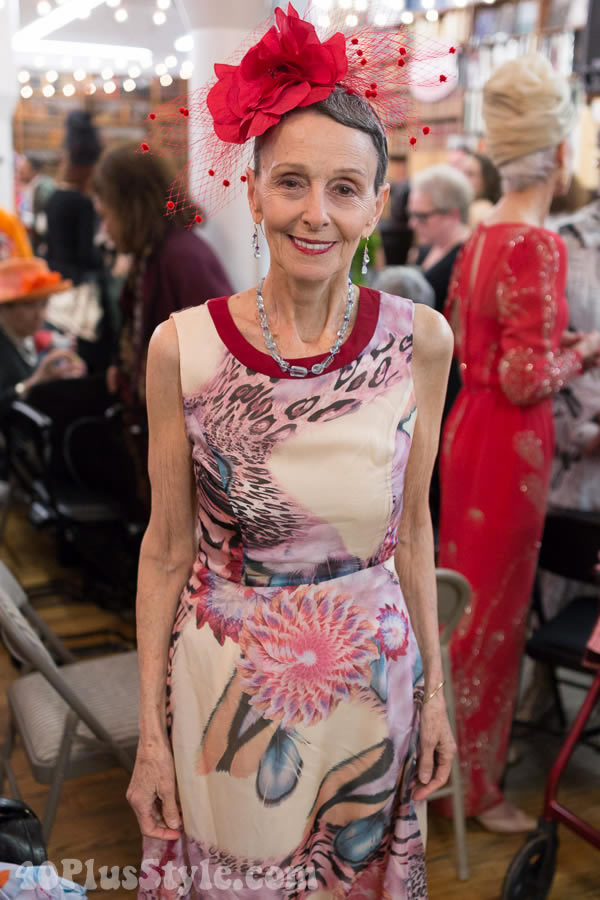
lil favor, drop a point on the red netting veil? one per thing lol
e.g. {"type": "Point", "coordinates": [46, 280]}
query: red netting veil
{"type": "Point", "coordinates": [288, 63]}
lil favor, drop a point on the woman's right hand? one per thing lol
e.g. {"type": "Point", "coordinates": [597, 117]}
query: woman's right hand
{"type": "Point", "coordinates": [588, 346]}
{"type": "Point", "coordinates": [151, 792]}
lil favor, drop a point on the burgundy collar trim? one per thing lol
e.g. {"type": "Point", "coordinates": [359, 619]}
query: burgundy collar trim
{"type": "Point", "coordinates": [257, 361]}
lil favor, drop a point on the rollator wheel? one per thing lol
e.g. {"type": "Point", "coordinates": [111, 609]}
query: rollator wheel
{"type": "Point", "coordinates": [530, 874]}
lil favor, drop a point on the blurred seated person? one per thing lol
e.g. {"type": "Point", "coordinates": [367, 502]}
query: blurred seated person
{"type": "Point", "coordinates": [485, 181]}
{"type": "Point", "coordinates": [172, 268]}
{"type": "Point", "coordinates": [438, 210]}
{"type": "Point", "coordinates": [25, 285]}
{"type": "Point", "coordinates": [36, 190]}
{"type": "Point", "coordinates": [405, 281]}
{"type": "Point", "coordinates": [13, 237]}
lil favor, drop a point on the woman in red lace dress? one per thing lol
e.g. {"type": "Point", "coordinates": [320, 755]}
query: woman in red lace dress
{"type": "Point", "coordinates": [509, 313]}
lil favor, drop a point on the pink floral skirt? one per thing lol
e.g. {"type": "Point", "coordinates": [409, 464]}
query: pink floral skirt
{"type": "Point", "coordinates": [293, 713]}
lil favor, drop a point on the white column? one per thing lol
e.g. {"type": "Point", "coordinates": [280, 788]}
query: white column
{"type": "Point", "coordinates": [8, 96]}
{"type": "Point", "coordinates": [218, 27]}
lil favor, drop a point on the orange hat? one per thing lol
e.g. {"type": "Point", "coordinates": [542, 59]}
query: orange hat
{"type": "Point", "coordinates": [28, 278]}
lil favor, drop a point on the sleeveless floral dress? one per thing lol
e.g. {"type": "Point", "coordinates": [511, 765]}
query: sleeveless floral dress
{"type": "Point", "coordinates": [294, 681]}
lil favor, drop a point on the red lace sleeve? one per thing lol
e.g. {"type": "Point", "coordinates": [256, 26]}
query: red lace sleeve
{"type": "Point", "coordinates": [532, 365]}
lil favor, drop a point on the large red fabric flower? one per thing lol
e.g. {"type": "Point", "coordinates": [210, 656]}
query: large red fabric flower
{"type": "Point", "coordinates": [289, 68]}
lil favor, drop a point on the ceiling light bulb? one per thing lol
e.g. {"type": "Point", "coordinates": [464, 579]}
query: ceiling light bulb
{"type": "Point", "coordinates": [185, 43]}
{"type": "Point", "coordinates": [432, 15]}
{"type": "Point", "coordinates": [109, 87]}
{"type": "Point", "coordinates": [161, 69]}
{"type": "Point", "coordinates": [91, 88]}
{"type": "Point", "coordinates": [48, 90]}
{"type": "Point", "coordinates": [407, 18]}
{"type": "Point", "coordinates": [26, 91]}
{"type": "Point", "coordinates": [79, 74]}
{"type": "Point", "coordinates": [185, 73]}
{"type": "Point", "coordinates": [170, 62]}
{"type": "Point", "coordinates": [23, 76]}
{"type": "Point", "coordinates": [351, 20]}
{"type": "Point", "coordinates": [166, 80]}
{"type": "Point", "coordinates": [163, 4]}
{"type": "Point", "coordinates": [129, 85]}
{"type": "Point", "coordinates": [107, 73]}
{"type": "Point", "coordinates": [134, 71]}
{"type": "Point", "coordinates": [159, 17]}
{"type": "Point", "coordinates": [43, 8]}
{"type": "Point", "coordinates": [69, 90]}
{"type": "Point", "coordinates": [51, 75]}
{"type": "Point", "coordinates": [121, 14]}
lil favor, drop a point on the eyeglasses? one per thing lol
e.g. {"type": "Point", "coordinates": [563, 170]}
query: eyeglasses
{"type": "Point", "coordinates": [424, 216]}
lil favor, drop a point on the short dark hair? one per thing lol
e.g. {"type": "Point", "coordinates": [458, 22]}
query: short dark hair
{"type": "Point", "coordinates": [490, 176]}
{"type": "Point", "coordinates": [351, 110]}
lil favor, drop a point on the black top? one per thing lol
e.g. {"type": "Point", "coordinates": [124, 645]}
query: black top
{"type": "Point", "coordinates": [13, 369]}
{"type": "Point", "coordinates": [439, 274]}
{"type": "Point", "coordinates": [72, 224]}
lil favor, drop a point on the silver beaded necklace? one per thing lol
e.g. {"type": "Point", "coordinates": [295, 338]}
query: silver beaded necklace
{"type": "Point", "coordinates": [302, 371]}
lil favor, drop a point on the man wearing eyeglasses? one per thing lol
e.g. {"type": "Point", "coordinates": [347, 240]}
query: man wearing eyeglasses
{"type": "Point", "coordinates": [438, 209]}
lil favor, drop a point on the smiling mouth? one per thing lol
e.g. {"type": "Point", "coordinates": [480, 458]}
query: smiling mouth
{"type": "Point", "coordinates": [311, 247]}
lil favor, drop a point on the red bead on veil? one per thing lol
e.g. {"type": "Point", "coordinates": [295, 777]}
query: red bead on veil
{"type": "Point", "coordinates": [284, 64]}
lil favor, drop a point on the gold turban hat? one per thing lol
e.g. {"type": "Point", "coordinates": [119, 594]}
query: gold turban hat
{"type": "Point", "coordinates": [527, 107]}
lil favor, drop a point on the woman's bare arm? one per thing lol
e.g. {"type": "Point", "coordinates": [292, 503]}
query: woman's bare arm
{"type": "Point", "coordinates": [414, 558]}
{"type": "Point", "coordinates": [166, 557]}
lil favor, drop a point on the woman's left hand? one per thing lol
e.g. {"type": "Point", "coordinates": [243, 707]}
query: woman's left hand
{"type": "Point", "coordinates": [436, 748]}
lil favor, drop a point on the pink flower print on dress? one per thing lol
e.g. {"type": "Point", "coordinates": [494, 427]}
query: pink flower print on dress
{"type": "Point", "coordinates": [304, 652]}
{"type": "Point", "coordinates": [393, 632]}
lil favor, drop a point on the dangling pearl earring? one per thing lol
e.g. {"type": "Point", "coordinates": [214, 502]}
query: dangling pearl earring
{"type": "Point", "coordinates": [255, 244]}
{"type": "Point", "coordinates": [366, 259]}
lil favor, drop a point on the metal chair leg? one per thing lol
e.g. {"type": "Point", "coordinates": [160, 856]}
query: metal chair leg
{"type": "Point", "coordinates": [59, 774]}
{"type": "Point", "coordinates": [458, 806]}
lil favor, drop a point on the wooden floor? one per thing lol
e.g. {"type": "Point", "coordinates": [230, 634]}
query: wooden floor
{"type": "Point", "coordinates": [95, 823]}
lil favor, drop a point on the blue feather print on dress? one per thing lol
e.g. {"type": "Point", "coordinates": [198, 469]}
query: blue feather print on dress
{"type": "Point", "coordinates": [279, 770]}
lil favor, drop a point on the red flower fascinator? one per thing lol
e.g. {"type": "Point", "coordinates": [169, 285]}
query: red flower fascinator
{"type": "Point", "coordinates": [280, 67]}
{"type": "Point", "coordinates": [288, 68]}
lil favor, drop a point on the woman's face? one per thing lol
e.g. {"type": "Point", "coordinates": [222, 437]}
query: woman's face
{"type": "Point", "coordinates": [471, 167]}
{"type": "Point", "coordinates": [25, 317]}
{"type": "Point", "coordinates": [315, 195]}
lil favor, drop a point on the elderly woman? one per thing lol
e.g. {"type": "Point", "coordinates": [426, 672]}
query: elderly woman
{"type": "Point", "coordinates": [287, 594]}
{"type": "Point", "coordinates": [25, 285]}
{"type": "Point", "coordinates": [509, 311]}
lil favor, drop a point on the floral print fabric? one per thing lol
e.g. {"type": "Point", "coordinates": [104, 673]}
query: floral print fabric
{"type": "Point", "coordinates": [294, 682]}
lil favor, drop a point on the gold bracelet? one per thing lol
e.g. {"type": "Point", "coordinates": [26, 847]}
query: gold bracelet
{"type": "Point", "coordinates": [434, 692]}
